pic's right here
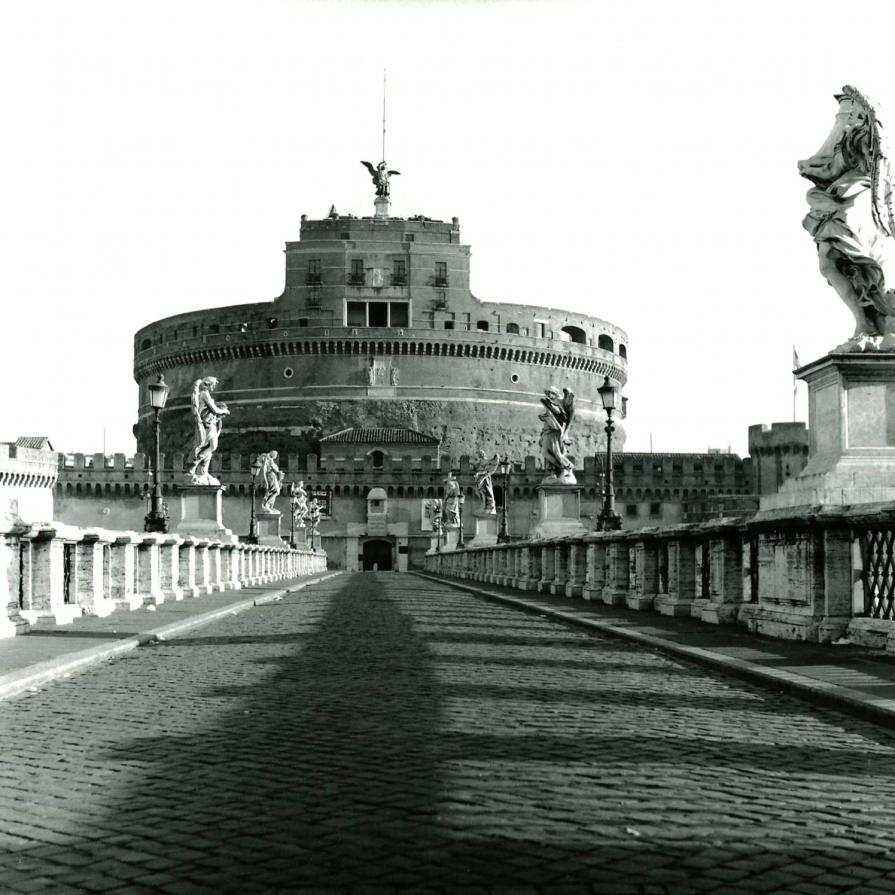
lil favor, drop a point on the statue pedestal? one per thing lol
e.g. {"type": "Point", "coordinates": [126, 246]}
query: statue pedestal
{"type": "Point", "coordinates": [267, 525]}
{"type": "Point", "coordinates": [559, 511]}
{"type": "Point", "coordinates": [301, 537]}
{"type": "Point", "coordinates": [201, 513]}
{"type": "Point", "coordinates": [381, 205]}
{"type": "Point", "coordinates": [485, 529]}
{"type": "Point", "coordinates": [851, 426]}
{"type": "Point", "coordinates": [450, 539]}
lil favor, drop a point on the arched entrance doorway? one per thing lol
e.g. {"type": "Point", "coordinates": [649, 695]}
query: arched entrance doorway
{"type": "Point", "coordinates": [378, 554]}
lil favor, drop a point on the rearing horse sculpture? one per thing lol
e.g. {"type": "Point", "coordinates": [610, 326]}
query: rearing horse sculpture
{"type": "Point", "coordinates": [851, 216]}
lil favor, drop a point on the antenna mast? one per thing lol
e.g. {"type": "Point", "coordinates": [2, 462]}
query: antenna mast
{"type": "Point", "coordinates": [383, 114]}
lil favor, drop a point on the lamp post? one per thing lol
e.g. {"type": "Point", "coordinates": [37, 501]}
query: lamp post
{"type": "Point", "coordinates": [437, 525]}
{"type": "Point", "coordinates": [253, 530]}
{"type": "Point", "coordinates": [608, 520]}
{"type": "Point", "coordinates": [503, 536]}
{"type": "Point", "coordinates": [293, 503]}
{"type": "Point", "coordinates": [461, 500]}
{"type": "Point", "coordinates": [157, 517]}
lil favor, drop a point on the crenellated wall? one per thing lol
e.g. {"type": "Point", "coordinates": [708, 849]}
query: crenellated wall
{"type": "Point", "coordinates": [651, 489]}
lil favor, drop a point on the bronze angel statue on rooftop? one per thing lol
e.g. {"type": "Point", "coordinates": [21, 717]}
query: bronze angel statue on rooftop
{"type": "Point", "coordinates": [380, 175]}
{"type": "Point", "coordinates": [851, 217]}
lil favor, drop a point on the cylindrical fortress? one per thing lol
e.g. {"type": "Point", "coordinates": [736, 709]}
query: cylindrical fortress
{"type": "Point", "coordinates": [377, 328]}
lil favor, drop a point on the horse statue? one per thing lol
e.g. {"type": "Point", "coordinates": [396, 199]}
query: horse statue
{"type": "Point", "coordinates": [851, 218]}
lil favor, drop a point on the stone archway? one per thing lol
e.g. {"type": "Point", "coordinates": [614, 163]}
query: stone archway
{"type": "Point", "coordinates": [377, 553]}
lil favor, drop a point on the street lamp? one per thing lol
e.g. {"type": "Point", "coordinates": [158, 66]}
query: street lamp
{"type": "Point", "coordinates": [157, 517]}
{"type": "Point", "coordinates": [460, 501]}
{"type": "Point", "coordinates": [503, 536]}
{"type": "Point", "coordinates": [293, 503]}
{"type": "Point", "coordinates": [253, 530]}
{"type": "Point", "coordinates": [608, 520]}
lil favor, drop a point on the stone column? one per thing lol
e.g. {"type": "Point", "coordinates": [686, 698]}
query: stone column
{"type": "Point", "coordinates": [646, 578]}
{"type": "Point", "coordinates": [595, 570]}
{"type": "Point", "coordinates": [94, 585]}
{"type": "Point", "coordinates": [15, 573]}
{"type": "Point", "coordinates": [215, 568]}
{"type": "Point", "coordinates": [618, 573]}
{"type": "Point", "coordinates": [681, 588]}
{"type": "Point", "coordinates": [560, 569]}
{"type": "Point", "coordinates": [548, 567]}
{"type": "Point", "coordinates": [122, 572]}
{"type": "Point", "coordinates": [169, 565]}
{"type": "Point", "coordinates": [577, 569]}
{"type": "Point", "coordinates": [725, 579]}
{"type": "Point", "coordinates": [188, 567]}
{"type": "Point", "coordinates": [53, 593]}
{"type": "Point", "coordinates": [149, 570]}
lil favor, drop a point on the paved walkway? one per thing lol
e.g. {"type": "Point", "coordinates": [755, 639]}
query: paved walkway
{"type": "Point", "coordinates": [846, 677]}
{"type": "Point", "coordinates": [52, 651]}
{"type": "Point", "coordinates": [388, 733]}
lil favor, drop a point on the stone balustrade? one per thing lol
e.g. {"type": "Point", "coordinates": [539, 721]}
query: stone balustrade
{"type": "Point", "coordinates": [820, 575]}
{"type": "Point", "coordinates": [53, 573]}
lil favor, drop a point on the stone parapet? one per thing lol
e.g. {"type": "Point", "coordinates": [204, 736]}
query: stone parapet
{"type": "Point", "coordinates": [819, 576]}
{"type": "Point", "coordinates": [54, 573]}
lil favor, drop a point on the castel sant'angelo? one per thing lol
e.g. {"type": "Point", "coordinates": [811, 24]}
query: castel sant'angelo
{"type": "Point", "coordinates": [377, 374]}
{"type": "Point", "coordinates": [376, 328]}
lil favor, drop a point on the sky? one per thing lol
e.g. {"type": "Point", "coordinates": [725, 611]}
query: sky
{"type": "Point", "coordinates": [635, 161]}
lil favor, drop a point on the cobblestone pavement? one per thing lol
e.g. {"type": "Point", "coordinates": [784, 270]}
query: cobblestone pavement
{"type": "Point", "coordinates": [383, 733]}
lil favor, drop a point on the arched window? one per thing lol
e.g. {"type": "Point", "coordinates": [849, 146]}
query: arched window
{"type": "Point", "coordinates": [576, 334]}
{"type": "Point", "coordinates": [623, 352]}
{"type": "Point", "coordinates": [513, 328]}
{"type": "Point", "coordinates": [377, 457]}
{"type": "Point", "coordinates": [482, 325]}
{"type": "Point", "coordinates": [605, 342]}
{"type": "Point", "coordinates": [146, 343]}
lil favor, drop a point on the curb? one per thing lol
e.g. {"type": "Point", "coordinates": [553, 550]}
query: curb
{"type": "Point", "coordinates": [808, 689]}
{"type": "Point", "coordinates": [17, 682]}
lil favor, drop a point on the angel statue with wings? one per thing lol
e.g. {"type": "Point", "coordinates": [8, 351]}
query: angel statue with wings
{"type": "Point", "coordinates": [208, 418]}
{"type": "Point", "coordinates": [380, 175]}
{"type": "Point", "coordinates": [557, 417]}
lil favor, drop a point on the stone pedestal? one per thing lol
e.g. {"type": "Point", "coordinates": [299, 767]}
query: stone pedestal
{"type": "Point", "coordinates": [485, 529]}
{"type": "Point", "coordinates": [201, 513]}
{"type": "Point", "coordinates": [851, 424]}
{"type": "Point", "coordinates": [268, 527]}
{"type": "Point", "coordinates": [381, 203]}
{"type": "Point", "coordinates": [559, 511]}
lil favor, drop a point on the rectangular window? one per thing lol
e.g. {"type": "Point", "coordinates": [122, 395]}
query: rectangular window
{"type": "Point", "coordinates": [313, 296]}
{"type": "Point", "coordinates": [441, 273]}
{"type": "Point", "coordinates": [357, 313]}
{"type": "Point", "coordinates": [630, 509]}
{"type": "Point", "coordinates": [399, 273]}
{"type": "Point", "coordinates": [448, 324]}
{"type": "Point", "coordinates": [313, 275]}
{"type": "Point", "coordinates": [540, 330]}
{"type": "Point", "coordinates": [655, 509]}
{"type": "Point", "coordinates": [356, 277]}
{"type": "Point", "coordinates": [378, 311]}
{"type": "Point", "coordinates": [398, 314]}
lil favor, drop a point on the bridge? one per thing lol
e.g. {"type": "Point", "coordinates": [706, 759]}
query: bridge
{"type": "Point", "coordinates": [403, 733]}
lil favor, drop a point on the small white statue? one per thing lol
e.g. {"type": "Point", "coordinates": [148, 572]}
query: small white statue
{"type": "Point", "coordinates": [451, 505]}
{"type": "Point", "coordinates": [208, 417]}
{"type": "Point", "coordinates": [273, 481]}
{"type": "Point", "coordinates": [299, 499]}
{"type": "Point", "coordinates": [484, 470]}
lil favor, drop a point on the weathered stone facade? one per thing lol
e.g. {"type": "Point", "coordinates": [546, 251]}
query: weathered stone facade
{"type": "Point", "coordinates": [377, 327]}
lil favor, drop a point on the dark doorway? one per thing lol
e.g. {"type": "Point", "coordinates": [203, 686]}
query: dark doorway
{"type": "Point", "coordinates": [378, 554]}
